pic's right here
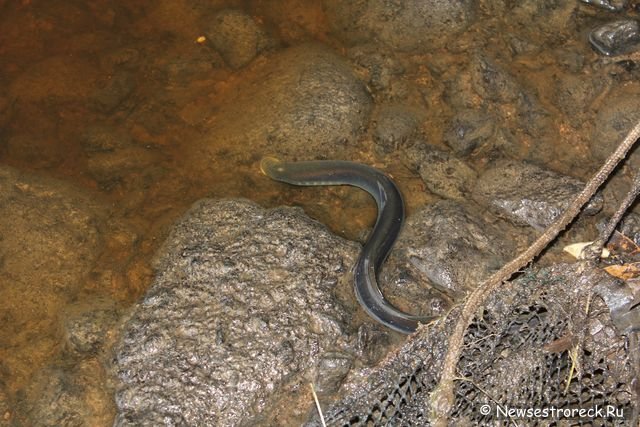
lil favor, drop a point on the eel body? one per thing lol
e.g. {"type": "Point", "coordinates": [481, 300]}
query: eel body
{"type": "Point", "coordinates": [380, 241]}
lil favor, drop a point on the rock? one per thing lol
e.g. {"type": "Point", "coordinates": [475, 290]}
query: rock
{"type": "Point", "coordinates": [394, 126]}
{"type": "Point", "coordinates": [492, 82]}
{"type": "Point", "coordinates": [68, 396]}
{"type": "Point", "coordinates": [630, 227]}
{"type": "Point", "coordinates": [6, 413]}
{"type": "Point", "coordinates": [411, 26]}
{"type": "Point", "coordinates": [468, 130]}
{"type": "Point", "coordinates": [575, 92]}
{"type": "Point", "coordinates": [304, 102]}
{"type": "Point", "coordinates": [615, 118]}
{"type": "Point", "coordinates": [546, 23]}
{"type": "Point", "coordinates": [610, 5]}
{"type": "Point", "coordinates": [86, 327]}
{"type": "Point", "coordinates": [236, 37]}
{"type": "Point", "coordinates": [110, 168]}
{"type": "Point", "coordinates": [382, 67]}
{"type": "Point", "coordinates": [532, 117]}
{"type": "Point", "coordinates": [528, 195]}
{"type": "Point", "coordinates": [242, 305]}
{"type": "Point", "coordinates": [444, 251]}
{"type": "Point", "coordinates": [332, 370]}
{"type": "Point", "coordinates": [444, 174]}
{"type": "Point", "coordinates": [188, 67]}
{"type": "Point", "coordinates": [616, 38]}
{"type": "Point", "coordinates": [50, 237]}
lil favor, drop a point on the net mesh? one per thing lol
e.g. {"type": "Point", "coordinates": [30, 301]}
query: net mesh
{"type": "Point", "coordinates": [545, 341]}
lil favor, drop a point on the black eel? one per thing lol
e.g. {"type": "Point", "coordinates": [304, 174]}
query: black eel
{"type": "Point", "coordinates": [381, 239]}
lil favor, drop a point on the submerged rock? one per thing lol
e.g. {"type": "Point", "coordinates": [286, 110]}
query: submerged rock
{"type": "Point", "coordinates": [528, 195]}
{"type": "Point", "coordinates": [615, 118]}
{"type": "Point", "coordinates": [236, 37]}
{"type": "Point", "coordinates": [394, 126]}
{"type": "Point", "coordinates": [244, 305]}
{"type": "Point", "coordinates": [442, 172]}
{"type": "Point", "coordinates": [468, 130]}
{"type": "Point", "coordinates": [411, 26]}
{"type": "Point", "coordinates": [68, 396]}
{"type": "Point", "coordinates": [305, 101]}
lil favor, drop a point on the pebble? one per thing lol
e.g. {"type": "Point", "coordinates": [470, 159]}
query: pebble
{"type": "Point", "coordinates": [616, 38]}
{"type": "Point", "coordinates": [442, 172]}
{"type": "Point", "coordinates": [236, 36]}
{"type": "Point", "coordinates": [469, 130]}
{"type": "Point", "coordinates": [394, 127]}
{"type": "Point", "coordinates": [610, 5]}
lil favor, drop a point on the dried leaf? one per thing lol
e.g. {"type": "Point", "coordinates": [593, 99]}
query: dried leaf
{"type": "Point", "coordinates": [624, 271]}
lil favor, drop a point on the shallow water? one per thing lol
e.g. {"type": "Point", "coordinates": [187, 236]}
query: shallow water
{"type": "Point", "coordinates": [55, 80]}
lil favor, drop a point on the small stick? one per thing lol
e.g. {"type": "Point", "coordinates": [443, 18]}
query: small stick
{"type": "Point", "coordinates": [594, 250]}
{"type": "Point", "coordinates": [315, 398]}
{"type": "Point", "coordinates": [442, 398]}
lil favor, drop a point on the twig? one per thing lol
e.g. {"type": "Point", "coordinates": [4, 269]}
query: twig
{"type": "Point", "coordinates": [442, 398]}
{"type": "Point", "coordinates": [315, 398]}
{"type": "Point", "coordinates": [594, 250]}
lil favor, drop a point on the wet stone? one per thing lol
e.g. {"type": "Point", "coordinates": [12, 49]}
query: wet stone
{"type": "Point", "coordinates": [630, 227]}
{"type": "Point", "coordinates": [616, 38]}
{"type": "Point", "coordinates": [442, 172]}
{"type": "Point", "coordinates": [305, 102]}
{"type": "Point", "coordinates": [610, 5]}
{"type": "Point", "coordinates": [332, 370]}
{"type": "Point", "coordinates": [526, 194]}
{"type": "Point", "coordinates": [236, 36]}
{"type": "Point", "coordinates": [394, 125]}
{"type": "Point", "coordinates": [443, 252]}
{"type": "Point", "coordinates": [68, 396]}
{"type": "Point", "coordinates": [86, 328]}
{"type": "Point", "coordinates": [243, 303]}
{"type": "Point", "coordinates": [382, 68]}
{"type": "Point", "coordinates": [412, 26]}
{"type": "Point", "coordinates": [492, 82]}
{"type": "Point", "coordinates": [620, 112]}
{"type": "Point", "coordinates": [468, 130]}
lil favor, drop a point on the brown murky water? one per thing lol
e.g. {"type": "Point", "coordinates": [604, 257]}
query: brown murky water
{"type": "Point", "coordinates": [58, 75]}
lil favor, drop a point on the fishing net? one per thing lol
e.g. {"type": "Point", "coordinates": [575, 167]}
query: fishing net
{"type": "Point", "coordinates": [544, 350]}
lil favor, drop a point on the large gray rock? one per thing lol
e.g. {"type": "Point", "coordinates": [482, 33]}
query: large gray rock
{"type": "Point", "coordinates": [244, 304]}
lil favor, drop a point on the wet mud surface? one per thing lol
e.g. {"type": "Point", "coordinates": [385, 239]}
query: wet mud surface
{"type": "Point", "coordinates": [116, 117]}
